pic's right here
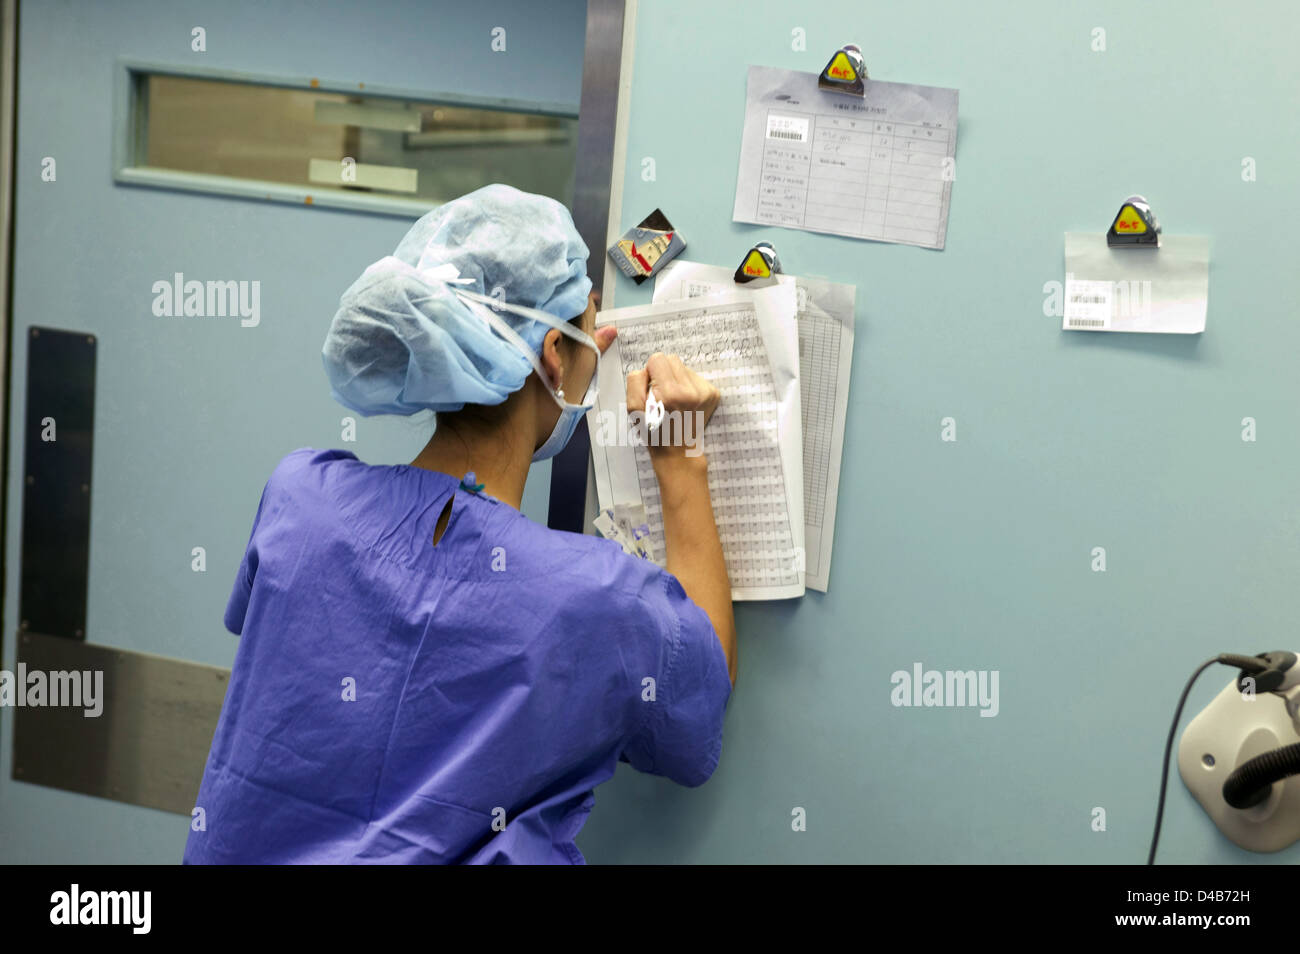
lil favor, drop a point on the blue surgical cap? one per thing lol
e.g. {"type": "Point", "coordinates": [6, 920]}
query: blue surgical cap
{"type": "Point", "coordinates": [402, 341]}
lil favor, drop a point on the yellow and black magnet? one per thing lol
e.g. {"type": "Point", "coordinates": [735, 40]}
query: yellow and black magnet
{"type": "Point", "coordinates": [845, 73]}
{"type": "Point", "coordinates": [759, 262]}
{"type": "Point", "coordinates": [1135, 225]}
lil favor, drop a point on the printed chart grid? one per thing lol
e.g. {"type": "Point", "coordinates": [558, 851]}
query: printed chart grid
{"type": "Point", "coordinates": [819, 360]}
{"type": "Point", "coordinates": [746, 482]}
{"type": "Point", "coordinates": [859, 177]}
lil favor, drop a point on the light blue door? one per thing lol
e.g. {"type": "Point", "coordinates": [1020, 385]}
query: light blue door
{"type": "Point", "coordinates": [192, 416]}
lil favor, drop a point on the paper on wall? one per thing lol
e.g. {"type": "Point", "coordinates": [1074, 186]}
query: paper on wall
{"type": "Point", "coordinates": [877, 167]}
{"type": "Point", "coordinates": [1163, 290]}
{"type": "Point", "coordinates": [747, 345]}
{"type": "Point", "coordinates": [825, 312]}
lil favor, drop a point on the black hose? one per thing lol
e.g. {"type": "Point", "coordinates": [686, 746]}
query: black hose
{"type": "Point", "coordinates": [1169, 746]}
{"type": "Point", "coordinates": [1238, 661]}
{"type": "Point", "coordinates": [1251, 782]}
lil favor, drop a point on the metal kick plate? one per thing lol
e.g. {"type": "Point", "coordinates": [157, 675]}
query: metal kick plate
{"type": "Point", "coordinates": [147, 747]}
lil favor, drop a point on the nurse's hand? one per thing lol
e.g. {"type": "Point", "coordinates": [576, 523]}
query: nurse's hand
{"type": "Point", "coordinates": [682, 391]}
{"type": "Point", "coordinates": [603, 336]}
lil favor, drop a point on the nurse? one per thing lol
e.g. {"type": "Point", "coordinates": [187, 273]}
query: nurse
{"type": "Point", "coordinates": [424, 674]}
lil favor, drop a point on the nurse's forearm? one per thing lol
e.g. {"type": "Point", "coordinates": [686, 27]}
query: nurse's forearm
{"type": "Point", "coordinates": [694, 552]}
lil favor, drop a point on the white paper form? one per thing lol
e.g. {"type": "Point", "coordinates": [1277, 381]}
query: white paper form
{"type": "Point", "coordinates": [825, 315]}
{"type": "Point", "coordinates": [871, 167]}
{"type": "Point", "coordinates": [747, 345]}
{"type": "Point", "coordinates": [1164, 290]}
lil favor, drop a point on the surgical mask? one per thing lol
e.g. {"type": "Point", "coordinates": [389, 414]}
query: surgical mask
{"type": "Point", "coordinates": [482, 306]}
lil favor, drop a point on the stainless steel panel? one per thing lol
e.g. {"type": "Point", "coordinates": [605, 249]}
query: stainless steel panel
{"type": "Point", "coordinates": [149, 744]}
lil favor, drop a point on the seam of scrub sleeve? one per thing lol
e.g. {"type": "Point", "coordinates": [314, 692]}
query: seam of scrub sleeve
{"type": "Point", "coordinates": [672, 660]}
{"type": "Point", "coordinates": [715, 749]}
{"type": "Point", "coordinates": [244, 571]}
{"type": "Point", "coordinates": [644, 722]}
{"type": "Point", "coordinates": [252, 532]}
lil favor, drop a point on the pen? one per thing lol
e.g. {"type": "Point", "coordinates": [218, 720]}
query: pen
{"type": "Point", "coordinates": [654, 410]}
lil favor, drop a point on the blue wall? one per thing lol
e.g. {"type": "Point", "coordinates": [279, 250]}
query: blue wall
{"type": "Point", "coordinates": [977, 554]}
{"type": "Point", "coordinates": [192, 415]}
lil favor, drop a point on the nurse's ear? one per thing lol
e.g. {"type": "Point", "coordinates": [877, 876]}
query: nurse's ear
{"type": "Point", "coordinates": [554, 359]}
{"type": "Point", "coordinates": [561, 355]}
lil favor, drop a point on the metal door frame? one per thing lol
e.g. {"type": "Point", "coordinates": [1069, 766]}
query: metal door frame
{"type": "Point", "coordinates": [597, 199]}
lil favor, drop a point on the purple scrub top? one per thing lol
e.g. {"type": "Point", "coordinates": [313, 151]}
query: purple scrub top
{"type": "Point", "coordinates": [393, 701]}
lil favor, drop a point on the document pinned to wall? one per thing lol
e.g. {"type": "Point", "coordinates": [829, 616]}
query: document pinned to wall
{"type": "Point", "coordinates": [877, 167]}
{"type": "Point", "coordinates": [1163, 290]}
{"type": "Point", "coordinates": [746, 344]}
{"type": "Point", "coordinates": [825, 313]}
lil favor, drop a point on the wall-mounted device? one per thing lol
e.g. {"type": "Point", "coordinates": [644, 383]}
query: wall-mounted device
{"type": "Point", "coordinates": [1238, 756]}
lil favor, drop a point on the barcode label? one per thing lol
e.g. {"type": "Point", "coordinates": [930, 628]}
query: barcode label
{"type": "Point", "coordinates": [788, 128]}
{"type": "Point", "coordinates": [1088, 304]}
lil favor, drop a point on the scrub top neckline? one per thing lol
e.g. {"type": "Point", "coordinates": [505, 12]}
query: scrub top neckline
{"type": "Point", "coordinates": [459, 482]}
